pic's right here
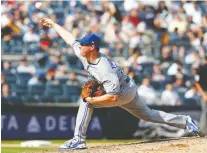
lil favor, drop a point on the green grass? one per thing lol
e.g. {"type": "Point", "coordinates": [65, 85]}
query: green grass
{"type": "Point", "coordinates": [21, 150]}
{"type": "Point", "coordinates": [16, 149]}
{"type": "Point", "coordinates": [19, 141]}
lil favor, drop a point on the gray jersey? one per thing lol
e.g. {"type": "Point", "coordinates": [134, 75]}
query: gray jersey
{"type": "Point", "coordinates": [114, 82]}
{"type": "Point", "coordinates": [105, 71]}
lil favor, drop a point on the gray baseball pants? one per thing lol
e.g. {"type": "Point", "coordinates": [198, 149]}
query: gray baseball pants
{"type": "Point", "coordinates": [128, 100]}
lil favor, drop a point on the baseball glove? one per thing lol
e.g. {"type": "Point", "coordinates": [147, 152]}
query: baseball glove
{"type": "Point", "coordinates": [92, 88]}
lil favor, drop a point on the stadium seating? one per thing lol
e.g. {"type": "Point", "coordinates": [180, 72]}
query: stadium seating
{"type": "Point", "coordinates": [10, 78]}
{"type": "Point", "coordinates": [147, 69]}
{"type": "Point", "coordinates": [158, 43]}
{"type": "Point", "coordinates": [181, 94]}
{"type": "Point", "coordinates": [32, 47]}
{"type": "Point", "coordinates": [19, 89]}
{"type": "Point", "coordinates": [47, 99]}
{"type": "Point", "coordinates": [190, 101]}
{"type": "Point", "coordinates": [157, 85]}
{"type": "Point", "coordinates": [36, 90]}
{"type": "Point", "coordinates": [63, 99]}
{"type": "Point", "coordinates": [12, 47]}
{"type": "Point", "coordinates": [72, 91]}
{"type": "Point", "coordinates": [30, 99]}
{"type": "Point", "coordinates": [53, 89]}
{"type": "Point", "coordinates": [74, 62]}
{"type": "Point", "coordinates": [14, 99]}
{"type": "Point", "coordinates": [23, 78]}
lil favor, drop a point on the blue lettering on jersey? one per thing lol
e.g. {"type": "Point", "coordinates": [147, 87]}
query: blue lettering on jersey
{"type": "Point", "coordinates": [113, 65]}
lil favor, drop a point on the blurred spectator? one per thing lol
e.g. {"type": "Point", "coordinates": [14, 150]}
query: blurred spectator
{"type": "Point", "coordinates": [175, 68]}
{"type": "Point", "coordinates": [7, 68]}
{"type": "Point", "coordinates": [161, 7]}
{"type": "Point", "coordinates": [173, 34]}
{"type": "Point", "coordinates": [134, 17]}
{"type": "Point", "coordinates": [132, 74]}
{"type": "Point", "coordinates": [45, 42]}
{"type": "Point", "coordinates": [41, 61]}
{"type": "Point", "coordinates": [136, 40]}
{"type": "Point", "coordinates": [6, 33]}
{"type": "Point", "coordinates": [61, 67]}
{"type": "Point", "coordinates": [179, 83]}
{"type": "Point", "coordinates": [175, 54]}
{"type": "Point", "coordinates": [24, 67]}
{"type": "Point", "coordinates": [178, 24]}
{"type": "Point", "coordinates": [127, 69]}
{"type": "Point", "coordinates": [192, 58]}
{"type": "Point", "coordinates": [130, 4]}
{"type": "Point", "coordinates": [149, 15]}
{"type": "Point", "coordinates": [192, 74]}
{"type": "Point", "coordinates": [127, 28]}
{"type": "Point", "coordinates": [3, 79]}
{"type": "Point", "coordinates": [14, 29]}
{"type": "Point", "coordinates": [150, 98]}
{"type": "Point", "coordinates": [31, 36]}
{"type": "Point", "coordinates": [136, 59]}
{"type": "Point", "coordinates": [204, 20]}
{"type": "Point", "coordinates": [163, 17]}
{"type": "Point", "coordinates": [112, 10]}
{"type": "Point", "coordinates": [157, 74]}
{"type": "Point", "coordinates": [110, 32]}
{"type": "Point", "coordinates": [193, 93]}
{"type": "Point", "coordinates": [51, 73]}
{"type": "Point", "coordinates": [169, 96]}
{"type": "Point", "coordinates": [58, 59]}
{"type": "Point", "coordinates": [194, 39]}
{"type": "Point", "coordinates": [193, 10]}
{"type": "Point", "coordinates": [37, 79]}
{"type": "Point", "coordinates": [5, 91]}
{"type": "Point", "coordinates": [181, 53]}
{"type": "Point", "coordinates": [72, 80]}
{"type": "Point", "coordinates": [165, 58]}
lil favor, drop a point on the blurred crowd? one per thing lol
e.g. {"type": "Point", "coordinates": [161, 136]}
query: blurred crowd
{"type": "Point", "coordinates": [160, 44]}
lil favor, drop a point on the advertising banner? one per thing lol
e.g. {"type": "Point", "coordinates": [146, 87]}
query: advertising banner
{"type": "Point", "coordinates": [15, 126]}
{"type": "Point", "coordinates": [30, 122]}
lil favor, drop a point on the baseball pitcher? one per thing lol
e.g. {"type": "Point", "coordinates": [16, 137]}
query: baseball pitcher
{"type": "Point", "coordinates": [119, 89]}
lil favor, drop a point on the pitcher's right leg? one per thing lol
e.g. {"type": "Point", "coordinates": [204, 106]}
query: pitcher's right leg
{"type": "Point", "coordinates": [83, 118]}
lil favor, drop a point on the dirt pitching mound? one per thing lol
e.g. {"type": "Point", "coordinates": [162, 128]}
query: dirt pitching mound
{"type": "Point", "coordinates": [183, 145]}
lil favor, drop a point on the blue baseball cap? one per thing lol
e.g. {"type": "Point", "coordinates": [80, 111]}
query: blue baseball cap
{"type": "Point", "coordinates": [40, 75]}
{"type": "Point", "coordinates": [90, 39]}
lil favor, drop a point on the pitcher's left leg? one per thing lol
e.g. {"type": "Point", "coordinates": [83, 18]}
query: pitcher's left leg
{"type": "Point", "coordinates": [142, 111]}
